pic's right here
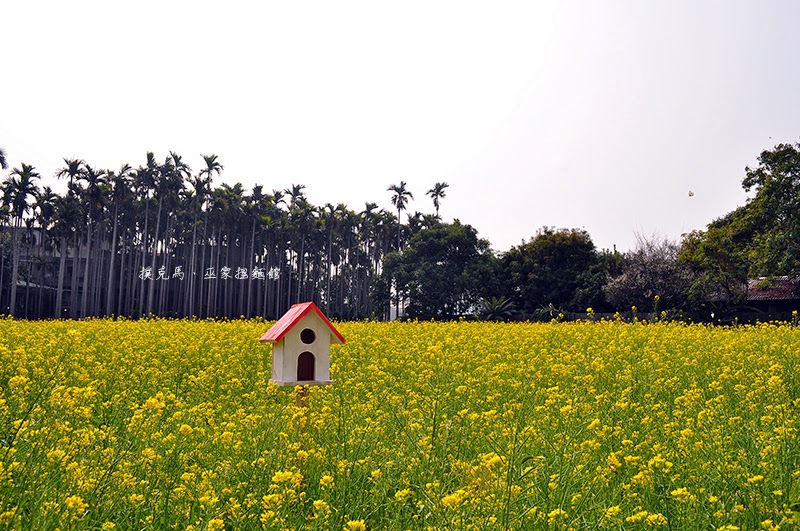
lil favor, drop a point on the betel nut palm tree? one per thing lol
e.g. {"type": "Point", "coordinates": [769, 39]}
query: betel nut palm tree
{"type": "Point", "coordinates": [437, 194]}
{"type": "Point", "coordinates": [19, 187]}
{"type": "Point", "coordinates": [120, 229]}
{"type": "Point", "coordinates": [203, 191]}
{"type": "Point", "coordinates": [94, 201]}
{"type": "Point", "coordinates": [400, 198]}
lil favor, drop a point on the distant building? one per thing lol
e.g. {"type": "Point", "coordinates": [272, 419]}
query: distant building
{"type": "Point", "coordinates": [773, 295]}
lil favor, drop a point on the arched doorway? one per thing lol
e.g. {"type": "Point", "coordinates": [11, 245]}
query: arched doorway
{"type": "Point", "coordinates": [305, 367]}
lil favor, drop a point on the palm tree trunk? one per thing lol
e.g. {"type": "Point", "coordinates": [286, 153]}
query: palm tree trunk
{"type": "Point", "coordinates": [226, 291]}
{"type": "Point", "coordinates": [289, 279]}
{"type": "Point", "coordinates": [85, 292]}
{"type": "Point", "coordinates": [62, 265]}
{"type": "Point", "coordinates": [97, 272]}
{"type": "Point", "coordinates": [14, 267]}
{"type": "Point", "coordinates": [301, 281]}
{"type": "Point", "coordinates": [201, 274]}
{"type": "Point", "coordinates": [73, 288]}
{"type": "Point", "coordinates": [111, 271]}
{"type": "Point", "coordinates": [188, 307]}
{"type": "Point", "coordinates": [328, 273]}
{"type": "Point", "coordinates": [250, 271]}
{"type": "Point", "coordinates": [122, 269]}
{"type": "Point", "coordinates": [152, 285]}
{"type": "Point", "coordinates": [144, 253]}
{"type": "Point", "coordinates": [2, 275]}
{"type": "Point", "coordinates": [165, 286]}
{"type": "Point", "coordinates": [213, 284]}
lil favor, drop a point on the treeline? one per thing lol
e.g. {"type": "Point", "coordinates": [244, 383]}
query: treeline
{"type": "Point", "coordinates": [162, 239]}
{"type": "Point", "coordinates": [710, 275]}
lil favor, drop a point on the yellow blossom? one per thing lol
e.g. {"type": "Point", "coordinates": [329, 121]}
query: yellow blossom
{"type": "Point", "coordinates": [76, 504]}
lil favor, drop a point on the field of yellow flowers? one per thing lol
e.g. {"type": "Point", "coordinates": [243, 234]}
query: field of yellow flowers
{"type": "Point", "coordinates": [609, 425]}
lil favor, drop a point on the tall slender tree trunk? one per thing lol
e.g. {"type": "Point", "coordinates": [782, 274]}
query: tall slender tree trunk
{"type": "Point", "coordinates": [28, 282]}
{"type": "Point", "coordinates": [97, 271]}
{"type": "Point", "coordinates": [164, 287]}
{"type": "Point", "coordinates": [85, 291]}
{"type": "Point", "coordinates": [210, 280]}
{"type": "Point", "coordinates": [213, 284]}
{"type": "Point", "coordinates": [14, 266]}
{"type": "Point", "coordinates": [201, 274]}
{"type": "Point", "coordinates": [328, 273]}
{"type": "Point", "coordinates": [109, 285]}
{"type": "Point", "coordinates": [226, 287]}
{"type": "Point", "coordinates": [250, 272]}
{"type": "Point", "coordinates": [301, 280]}
{"type": "Point", "coordinates": [124, 255]}
{"type": "Point", "coordinates": [144, 253]}
{"type": "Point", "coordinates": [62, 265]}
{"type": "Point", "coordinates": [152, 284]}
{"type": "Point", "coordinates": [188, 307]}
{"type": "Point", "coordinates": [2, 277]}
{"type": "Point", "coordinates": [73, 288]}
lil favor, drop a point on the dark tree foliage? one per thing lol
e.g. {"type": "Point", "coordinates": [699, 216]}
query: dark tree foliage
{"type": "Point", "coordinates": [759, 239]}
{"type": "Point", "coordinates": [443, 272]}
{"type": "Point", "coordinates": [774, 213]}
{"type": "Point", "coordinates": [719, 260]}
{"type": "Point", "coordinates": [162, 239]}
{"type": "Point", "coordinates": [557, 268]}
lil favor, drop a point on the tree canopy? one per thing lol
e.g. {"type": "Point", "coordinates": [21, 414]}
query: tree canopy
{"type": "Point", "coordinates": [559, 268]}
{"type": "Point", "coordinates": [443, 272]}
{"type": "Point", "coordinates": [759, 239]}
{"type": "Point", "coordinates": [163, 239]}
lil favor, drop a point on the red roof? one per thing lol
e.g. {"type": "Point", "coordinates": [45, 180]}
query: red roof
{"type": "Point", "coordinates": [290, 318]}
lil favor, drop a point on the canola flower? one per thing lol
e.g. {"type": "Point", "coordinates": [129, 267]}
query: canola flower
{"type": "Point", "coordinates": [598, 425]}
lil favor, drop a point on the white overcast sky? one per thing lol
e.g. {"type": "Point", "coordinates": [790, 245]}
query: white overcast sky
{"type": "Point", "coordinates": [600, 115]}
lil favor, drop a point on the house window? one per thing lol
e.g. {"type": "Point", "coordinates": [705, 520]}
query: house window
{"type": "Point", "coordinates": [305, 367]}
{"type": "Point", "coordinates": [307, 336]}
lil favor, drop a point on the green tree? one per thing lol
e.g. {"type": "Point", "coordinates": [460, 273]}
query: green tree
{"type": "Point", "coordinates": [444, 271]}
{"type": "Point", "coordinates": [17, 190]}
{"type": "Point", "coordinates": [718, 257]}
{"type": "Point", "coordinates": [400, 197]}
{"type": "Point", "coordinates": [556, 269]}
{"type": "Point", "coordinates": [774, 213]}
{"type": "Point", "coordinates": [5, 253]}
{"type": "Point", "coordinates": [72, 170]}
{"type": "Point", "coordinates": [204, 191]}
{"type": "Point", "coordinates": [121, 195]}
{"type": "Point", "coordinates": [95, 202]}
{"type": "Point", "coordinates": [437, 194]}
{"type": "Point", "coordinates": [68, 219]}
{"type": "Point", "coordinates": [759, 239]}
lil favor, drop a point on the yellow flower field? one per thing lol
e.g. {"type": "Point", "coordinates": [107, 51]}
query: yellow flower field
{"type": "Point", "coordinates": [609, 425]}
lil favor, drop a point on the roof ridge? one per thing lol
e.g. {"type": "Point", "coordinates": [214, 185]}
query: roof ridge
{"type": "Point", "coordinates": [296, 312]}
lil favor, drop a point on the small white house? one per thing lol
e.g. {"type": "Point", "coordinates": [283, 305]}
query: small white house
{"type": "Point", "coordinates": [301, 351]}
